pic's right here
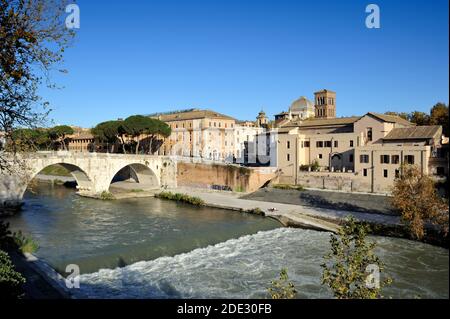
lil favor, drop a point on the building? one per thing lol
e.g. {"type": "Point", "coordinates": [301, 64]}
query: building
{"type": "Point", "coordinates": [300, 109]}
{"type": "Point", "coordinates": [199, 133]}
{"type": "Point", "coordinates": [81, 141]}
{"type": "Point", "coordinates": [367, 149]}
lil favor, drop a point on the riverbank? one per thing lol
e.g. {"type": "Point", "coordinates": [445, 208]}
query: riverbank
{"type": "Point", "coordinates": [311, 217]}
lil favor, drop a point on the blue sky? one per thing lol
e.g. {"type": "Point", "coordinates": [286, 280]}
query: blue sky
{"type": "Point", "coordinates": [236, 57]}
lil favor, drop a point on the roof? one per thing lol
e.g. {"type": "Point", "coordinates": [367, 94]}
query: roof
{"type": "Point", "coordinates": [324, 91]}
{"type": "Point", "coordinates": [391, 118]}
{"type": "Point", "coordinates": [193, 114]}
{"type": "Point", "coordinates": [323, 122]}
{"type": "Point", "coordinates": [301, 104]}
{"type": "Point", "coordinates": [414, 133]}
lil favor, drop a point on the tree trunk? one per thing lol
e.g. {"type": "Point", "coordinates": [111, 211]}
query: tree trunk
{"type": "Point", "coordinates": [150, 151]}
{"type": "Point", "coordinates": [123, 144]}
{"type": "Point", "coordinates": [137, 146]}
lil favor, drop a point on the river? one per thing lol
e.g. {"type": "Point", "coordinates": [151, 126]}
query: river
{"type": "Point", "coordinates": [151, 248]}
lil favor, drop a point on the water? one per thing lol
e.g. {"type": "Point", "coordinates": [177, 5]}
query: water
{"type": "Point", "coordinates": [201, 252]}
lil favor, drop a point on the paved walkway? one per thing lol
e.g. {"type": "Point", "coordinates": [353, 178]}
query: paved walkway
{"type": "Point", "coordinates": [307, 216]}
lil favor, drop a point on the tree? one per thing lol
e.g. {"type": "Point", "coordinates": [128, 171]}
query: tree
{"type": "Point", "coordinates": [415, 196]}
{"type": "Point", "coordinates": [439, 116]}
{"type": "Point", "coordinates": [59, 134]}
{"type": "Point", "coordinates": [107, 132]}
{"type": "Point", "coordinates": [33, 39]}
{"type": "Point", "coordinates": [282, 288]}
{"type": "Point", "coordinates": [32, 140]}
{"type": "Point", "coordinates": [346, 267]}
{"type": "Point", "coordinates": [419, 118]}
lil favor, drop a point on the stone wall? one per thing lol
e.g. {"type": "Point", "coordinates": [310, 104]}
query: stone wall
{"type": "Point", "coordinates": [231, 177]}
{"type": "Point", "coordinates": [348, 182]}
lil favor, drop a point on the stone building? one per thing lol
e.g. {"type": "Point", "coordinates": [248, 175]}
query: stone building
{"type": "Point", "coordinates": [300, 109]}
{"type": "Point", "coordinates": [367, 150]}
{"type": "Point", "coordinates": [199, 133]}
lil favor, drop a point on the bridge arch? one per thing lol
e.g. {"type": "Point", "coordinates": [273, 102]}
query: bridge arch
{"type": "Point", "coordinates": [84, 182]}
{"type": "Point", "coordinates": [137, 172]}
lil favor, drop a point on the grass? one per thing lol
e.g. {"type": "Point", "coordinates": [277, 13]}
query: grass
{"type": "Point", "coordinates": [137, 190]}
{"type": "Point", "coordinates": [289, 187]}
{"type": "Point", "coordinates": [106, 196]}
{"type": "Point", "coordinates": [183, 198]}
{"type": "Point", "coordinates": [56, 170]}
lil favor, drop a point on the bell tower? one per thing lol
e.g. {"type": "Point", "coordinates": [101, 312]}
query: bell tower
{"type": "Point", "coordinates": [325, 104]}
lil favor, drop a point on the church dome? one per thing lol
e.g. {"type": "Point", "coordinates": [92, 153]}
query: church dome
{"type": "Point", "coordinates": [301, 105]}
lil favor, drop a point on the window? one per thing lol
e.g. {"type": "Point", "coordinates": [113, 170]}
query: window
{"type": "Point", "coordinates": [409, 159]}
{"type": "Point", "coordinates": [385, 173]}
{"type": "Point", "coordinates": [215, 124]}
{"type": "Point", "coordinates": [320, 155]}
{"type": "Point", "coordinates": [327, 143]}
{"type": "Point", "coordinates": [306, 143]}
{"type": "Point", "coordinates": [350, 158]}
{"type": "Point", "coordinates": [364, 158]}
{"type": "Point", "coordinates": [336, 144]}
{"type": "Point", "coordinates": [395, 159]}
{"type": "Point", "coordinates": [365, 172]}
{"type": "Point", "coordinates": [209, 124]}
{"type": "Point", "coordinates": [384, 159]}
{"type": "Point", "coordinates": [319, 144]}
{"type": "Point", "coordinates": [303, 144]}
{"type": "Point", "coordinates": [397, 173]}
{"type": "Point", "coordinates": [369, 134]}
{"type": "Point", "coordinates": [288, 144]}
{"type": "Point", "coordinates": [288, 157]}
{"type": "Point", "coordinates": [351, 143]}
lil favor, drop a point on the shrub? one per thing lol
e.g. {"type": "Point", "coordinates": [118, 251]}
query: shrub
{"type": "Point", "coordinates": [25, 244]}
{"type": "Point", "coordinates": [6, 237]}
{"type": "Point", "coordinates": [256, 211]}
{"type": "Point", "coordinates": [282, 288]}
{"type": "Point", "coordinates": [137, 190]}
{"type": "Point", "coordinates": [184, 198]}
{"type": "Point", "coordinates": [346, 267]}
{"type": "Point", "coordinates": [415, 196]}
{"type": "Point", "coordinates": [289, 187]}
{"type": "Point", "coordinates": [10, 280]}
{"type": "Point", "coordinates": [105, 195]}
{"type": "Point", "coordinates": [315, 166]}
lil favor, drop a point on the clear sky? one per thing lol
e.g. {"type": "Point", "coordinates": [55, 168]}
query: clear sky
{"type": "Point", "coordinates": [236, 57]}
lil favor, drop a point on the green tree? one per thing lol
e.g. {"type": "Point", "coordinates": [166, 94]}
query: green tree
{"type": "Point", "coordinates": [32, 140]}
{"type": "Point", "coordinates": [33, 39]}
{"type": "Point", "coordinates": [59, 134]}
{"type": "Point", "coordinates": [419, 118]}
{"type": "Point", "coordinates": [107, 132]}
{"type": "Point", "coordinates": [346, 267]}
{"type": "Point", "coordinates": [439, 116]}
{"type": "Point", "coordinates": [282, 288]}
{"type": "Point", "coordinates": [415, 196]}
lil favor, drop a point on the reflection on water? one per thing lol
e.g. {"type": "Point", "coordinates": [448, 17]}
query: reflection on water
{"type": "Point", "coordinates": [103, 234]}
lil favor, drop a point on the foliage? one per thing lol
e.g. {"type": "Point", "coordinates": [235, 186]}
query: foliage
{"type": "Point", "coordinates": [299, 188]}
{"type": "Point", "coordinates": [59, 134]}
{"type": "Point", "coordinates": [25, 244]}
{"type": "Point", "coordinates": [315, 166]}
{"type": "Point", "coordinates": [137, 190]}
{"type": "Point", "coordinates": [256, 211]}
{"type": "Point", "coordinates": [10, 280]}
{"type": "Point", "coordinates": [6, 237]}
{"type": "Point", "coordinates": [184, 198]}
{"type": "Point", "coordinates": [33, 39]}
{"type": "Point", "coordinates": [31, 140]}
{"type": "Point", "coordinates": [439, 115]}
{"type": "Point", "coordinates": [282, 288]}
{"type": "Point", "coordinates": [105, 195]}
{"type": "Point", "coordinates": [344, 269]}
{"type": "Point", "coordinates": [107, 132]}
{"type": "Point", "coordinates": [415, 196]}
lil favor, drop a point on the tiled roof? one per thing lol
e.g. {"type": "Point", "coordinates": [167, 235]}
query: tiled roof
{"type": "Point", "coordinates": [414, 133]}
{"type": "Point", "coordinates": [391, 118]}
{"type": "Point", "coordinates": [193, 114]}
{"type": "Point", "coordinates": [323, 122]}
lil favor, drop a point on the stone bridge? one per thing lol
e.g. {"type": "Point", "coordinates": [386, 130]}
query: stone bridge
{"type": "Point", "coordinates": [93, 172]}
